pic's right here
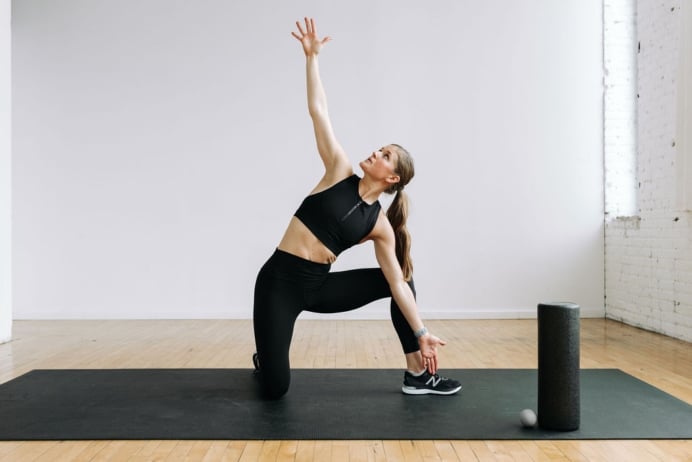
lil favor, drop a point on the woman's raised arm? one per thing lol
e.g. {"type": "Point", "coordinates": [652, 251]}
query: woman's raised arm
{"type": "Point", "coordinates": [335, 161]}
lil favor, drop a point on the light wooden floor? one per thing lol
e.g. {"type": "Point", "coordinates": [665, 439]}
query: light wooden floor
{"type": "Point", "coordinates": [659, 360]}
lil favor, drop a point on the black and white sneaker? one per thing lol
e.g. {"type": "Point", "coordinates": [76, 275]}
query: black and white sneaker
{"type": "Point", "coordinates": [428, 384]}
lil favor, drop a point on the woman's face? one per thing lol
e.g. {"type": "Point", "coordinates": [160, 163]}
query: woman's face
{"type": "Point", "coordinates": [381, 164]}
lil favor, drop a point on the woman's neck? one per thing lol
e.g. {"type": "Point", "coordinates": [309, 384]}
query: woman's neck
{"type": "Point", "coordinates": [370, 190]}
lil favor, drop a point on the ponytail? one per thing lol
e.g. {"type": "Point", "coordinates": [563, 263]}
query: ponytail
{"type": "Point", "coordinates": [397, 213]}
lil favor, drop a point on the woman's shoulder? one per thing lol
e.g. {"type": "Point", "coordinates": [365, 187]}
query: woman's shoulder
{"type": "Point", "coordinates": [383, 228]}
{"type": "Point", "coordinates": [329, 180]}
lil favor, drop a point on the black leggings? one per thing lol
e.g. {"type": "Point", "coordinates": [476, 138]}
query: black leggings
{"type": "Point", "coordinates": [286, 285]}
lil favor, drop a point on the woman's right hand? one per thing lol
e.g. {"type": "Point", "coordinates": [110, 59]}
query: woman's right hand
{"type": "Point", "coordinates": [428, 347]}
{"type": "Point", "coordinates": [308, 37]}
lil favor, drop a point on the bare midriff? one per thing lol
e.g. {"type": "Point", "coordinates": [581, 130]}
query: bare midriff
{"type": "Point", "coordinates": [298, 240]}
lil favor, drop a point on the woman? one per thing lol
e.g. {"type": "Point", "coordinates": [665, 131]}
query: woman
{"type": "Point", "coordinates": [341, 211]}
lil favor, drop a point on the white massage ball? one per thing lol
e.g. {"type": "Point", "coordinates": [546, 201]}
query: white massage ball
{"type": "Point", "coordinates": [528, 418]}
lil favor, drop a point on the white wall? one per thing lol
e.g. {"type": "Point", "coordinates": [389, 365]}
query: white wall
{"type": "Point", "coordinates": [649, 256]}
{"type": "Point", "coordinates": [5, 172]}
{"type": "Point", "coordinates": [161, 147]}
{"type": "Point", "coordinates": [684, 113]}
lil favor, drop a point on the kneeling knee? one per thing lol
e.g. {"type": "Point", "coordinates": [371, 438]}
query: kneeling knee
{"type": "Point", "coordinates": [273, 385]}
{"type": "Point", "coordinates": [274, 391]}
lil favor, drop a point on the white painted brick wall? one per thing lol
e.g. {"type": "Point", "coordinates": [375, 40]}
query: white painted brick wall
{"type": "Point", "coordinates": [648, 261]}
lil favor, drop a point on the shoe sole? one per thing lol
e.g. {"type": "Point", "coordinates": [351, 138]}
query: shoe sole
{"type": "Point", "coordinates": [426, 391]}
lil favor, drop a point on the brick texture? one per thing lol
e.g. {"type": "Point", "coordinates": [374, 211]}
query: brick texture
{"type": "Point", "coordinates": [648, 257]}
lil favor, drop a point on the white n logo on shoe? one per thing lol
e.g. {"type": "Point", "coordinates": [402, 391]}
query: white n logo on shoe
{"type": "Point", "coordinates": [435, 380]}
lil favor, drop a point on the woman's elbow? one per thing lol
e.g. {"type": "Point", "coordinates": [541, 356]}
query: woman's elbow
{"type": "Point", "coordinates": [317, 111]}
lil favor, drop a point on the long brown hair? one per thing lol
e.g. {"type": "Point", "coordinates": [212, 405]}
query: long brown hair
{"type": "Point", "coordinates": [397, 213]}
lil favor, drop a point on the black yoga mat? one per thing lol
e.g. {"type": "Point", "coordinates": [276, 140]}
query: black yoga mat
{"type": "Point", "coordinates": [321, 404]}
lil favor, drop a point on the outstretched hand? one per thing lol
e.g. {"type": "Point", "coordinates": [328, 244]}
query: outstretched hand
{"type": "Point", "coordinates": [428, 348]}
{"type": "Point", "coordinates": [308, 37]}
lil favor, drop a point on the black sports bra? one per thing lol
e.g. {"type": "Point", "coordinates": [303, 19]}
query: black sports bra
{"type": "Point", "coordinates": [338, 216]}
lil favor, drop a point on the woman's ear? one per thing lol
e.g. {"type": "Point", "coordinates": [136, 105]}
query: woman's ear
{"type": "Point", "coordinates": [393, 179]}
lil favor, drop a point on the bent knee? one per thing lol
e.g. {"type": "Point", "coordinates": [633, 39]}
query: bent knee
{"type": "Point", "coordinates": [274, 382]}
{"type": "Point", "coordinates": [273, 390]}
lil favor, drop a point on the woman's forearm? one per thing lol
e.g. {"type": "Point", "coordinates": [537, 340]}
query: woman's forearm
{"type": "Point", "coordinates": [317, 98]}
{"type": "Point", "coordinates": [403, 296]}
